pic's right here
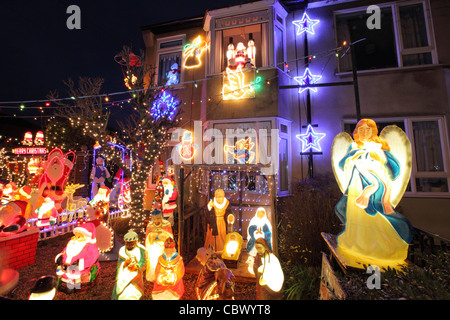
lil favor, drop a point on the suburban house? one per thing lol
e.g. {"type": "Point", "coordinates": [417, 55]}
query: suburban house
{"type": "Point", "coordinates": [241, 72]}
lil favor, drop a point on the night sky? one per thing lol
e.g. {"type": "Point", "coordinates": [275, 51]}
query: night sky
{"type": "Point", "coordinates": [38, 51]}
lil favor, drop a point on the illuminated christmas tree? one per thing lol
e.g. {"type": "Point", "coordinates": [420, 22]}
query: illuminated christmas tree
{"type": "Point", "coordinates": [142, 133]}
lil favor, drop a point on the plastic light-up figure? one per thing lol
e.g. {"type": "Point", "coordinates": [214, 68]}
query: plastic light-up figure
{"type": "Point", "coordinates": [305, 24]}
{"type": "Point", "coordinates": [310, 139]}
{"type": "Point", "coordinates": [307, 79]}
{"type": "Point", "coordinates": [372, 172]}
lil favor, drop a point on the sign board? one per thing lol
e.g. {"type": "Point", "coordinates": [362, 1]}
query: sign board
{"type": "Point", "coordinates": [29, 150]}
{"type": "Point", "coordinates": [330, 288]}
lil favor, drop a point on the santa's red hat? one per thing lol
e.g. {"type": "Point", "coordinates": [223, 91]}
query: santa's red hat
{"type": "Point", "coordinates": [87, 230]}
{"type": "Point", "coordinates": [25, 191]}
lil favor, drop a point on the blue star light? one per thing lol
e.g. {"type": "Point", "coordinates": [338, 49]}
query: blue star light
{"type": "Point", "coordinates": [310, 139]}
{"type": "Point", "coordinates": [305, 24]}
{"type": "Point", "coordinates": [306, 79]}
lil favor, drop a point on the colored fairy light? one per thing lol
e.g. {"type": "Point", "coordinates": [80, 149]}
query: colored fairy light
{"type": "Point", "coordinates": [165, 105]}
{"type": "Point", "coordinates": [310, 139]}
{"type": "Point", "coordinates": [305, 24]}
{"type": "Point", "coordinates": [307, 79]}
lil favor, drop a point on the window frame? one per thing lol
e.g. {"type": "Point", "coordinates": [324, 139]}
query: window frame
{"type": "Point", "coordinates": [169, 50]}
{"type": "Point", "coordinates": [400, 51]}
{"type": "Point", "coordinates": [275, 123]}
{"type": "Point", "coordinates": [443, 132]}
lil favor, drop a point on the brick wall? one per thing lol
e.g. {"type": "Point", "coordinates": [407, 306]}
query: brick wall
{"type": "Point", "coordinates": [19, 250]}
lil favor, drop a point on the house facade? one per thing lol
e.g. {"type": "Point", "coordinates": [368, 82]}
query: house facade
{"type": "Point", "coordinates": [237, 73]}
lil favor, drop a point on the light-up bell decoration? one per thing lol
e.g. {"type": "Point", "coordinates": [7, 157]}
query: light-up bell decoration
{"type": "Point", "coordinates": [193, 52]}
{"type": "Point", "coordinates": [305, 24]}
{"type": "Point", "coordinates": [372, 172]}
{"type": "Point", "coordinates": [307, 79]}
{"type": "Point", "coordinates": [310, 139]}
{"type": "Point", "coordinates": [233, 245]}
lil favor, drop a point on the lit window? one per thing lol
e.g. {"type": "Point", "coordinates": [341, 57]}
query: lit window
{"type": "Point", "coordinates": [169, 60]}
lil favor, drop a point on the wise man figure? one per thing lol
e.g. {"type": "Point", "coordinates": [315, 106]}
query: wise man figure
{"type": "Point", "coordinates": [130, 269]}
{"type": "Point", "coordinates": [158, 231]}
{"type": "Point", "coordinates": [169, 274]}
{"type": "Point", "coordinates": [217, 227]}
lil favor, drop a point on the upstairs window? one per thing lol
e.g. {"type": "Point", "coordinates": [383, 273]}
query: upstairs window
{"type": "Point", "coordinates": [403, 39]}
{"type": "Point", "coordinates": [240, 40]}
{"type": "Point", "coordinates": [169, 60]}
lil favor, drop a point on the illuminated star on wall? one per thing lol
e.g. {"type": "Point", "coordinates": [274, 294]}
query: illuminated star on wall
{"type": "Point", "coordinates": [306, 79]}
{"type": "Point", "coordinates": [310, 139]}
{"type": "Point", "coordinates": [305, 24]}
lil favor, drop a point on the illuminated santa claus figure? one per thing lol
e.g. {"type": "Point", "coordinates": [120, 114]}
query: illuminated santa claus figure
{"type": "Point", "coordinates": [259, 227]}
{"type": "Point", "coordinates": [39, 138]}
{"type": "Point", "coordinates": [77, 264]}
{"type": "Point", "coordinates": [9, 191]}
{"type": "Point", "coordinates": [46, 213]}
{"type": "Point", "coordinates": [169, 199]}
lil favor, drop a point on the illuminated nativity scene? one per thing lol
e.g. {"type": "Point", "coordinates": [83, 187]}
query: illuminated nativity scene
{"type": "Point", "coordinates": [225, 181]}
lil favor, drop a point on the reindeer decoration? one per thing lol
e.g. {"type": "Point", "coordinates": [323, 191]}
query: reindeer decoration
{"type": "Point", "coordinates": [74, 204]}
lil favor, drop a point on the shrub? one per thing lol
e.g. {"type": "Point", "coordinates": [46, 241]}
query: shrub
{"type": "Point", "coordinates": [432, 282]}
{"type": "Point", "coordinates": [303, 216]}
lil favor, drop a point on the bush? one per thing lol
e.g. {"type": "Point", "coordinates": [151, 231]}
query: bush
{"type": "Point", "coordinates": [301, 282]}
{"type": "Point", "coordinates": [431, 282]}
{"type": "Point", "coordinates": [303, 216]}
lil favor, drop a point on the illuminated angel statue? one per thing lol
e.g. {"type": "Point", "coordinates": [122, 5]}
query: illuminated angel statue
{"type": "Point", "coordinates": [372, 172]}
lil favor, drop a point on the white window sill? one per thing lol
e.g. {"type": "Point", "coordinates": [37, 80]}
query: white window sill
{"type": "Point", "coordinates": [392, 70]}
{"type": "Point", "coordinates": [441, 195]}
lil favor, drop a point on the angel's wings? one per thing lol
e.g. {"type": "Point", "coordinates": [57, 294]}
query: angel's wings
{"type": "Point", "coordinates": [400, 147]}
{"type": "Point", "coordinates": [339, 149]}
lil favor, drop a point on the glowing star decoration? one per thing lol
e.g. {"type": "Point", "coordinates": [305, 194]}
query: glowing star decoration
{"type": "Point", "coordinates": [311, 139]}
{"type": "Point", "coordinates": [193, 52]}
{"type": "Point", "coordinates": [187, 147]}
{"type": "Point", "coordinates": [242, 151]}
{"type": "Point", "coordinates": [237, 88]}
{"type": "Point", "coordinates": [307, 79]}
{"type": "Point", "coordinates": [305, 24]}
{"type": "Point", "coordinates": [164, 106]}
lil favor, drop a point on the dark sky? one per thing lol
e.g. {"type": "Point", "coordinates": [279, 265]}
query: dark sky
{"type": "Point", "coordinates": [38, 51]}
